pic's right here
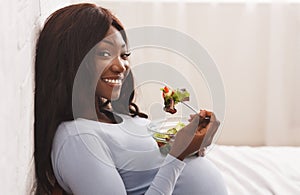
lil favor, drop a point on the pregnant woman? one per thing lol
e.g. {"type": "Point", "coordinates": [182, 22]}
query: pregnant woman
{"type": "Point", "coordinates": [90, 137]}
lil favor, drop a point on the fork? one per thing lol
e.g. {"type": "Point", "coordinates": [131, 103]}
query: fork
{"type": "Point", "coordinates": [206, 119]}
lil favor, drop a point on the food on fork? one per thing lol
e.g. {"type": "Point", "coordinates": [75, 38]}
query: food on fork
{"type": "Point", "coordinates": [172, 97]}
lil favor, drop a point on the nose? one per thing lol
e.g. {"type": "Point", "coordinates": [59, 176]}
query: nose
{"type": "Point", "coordinates": [119, 65]}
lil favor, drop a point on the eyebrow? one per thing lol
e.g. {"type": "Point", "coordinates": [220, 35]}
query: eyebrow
{"type": "Point", "coordinates": [111, 43]}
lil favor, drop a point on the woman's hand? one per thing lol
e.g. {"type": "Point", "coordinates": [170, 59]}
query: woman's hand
{"type": "Point", "coordinates": [196, 136]}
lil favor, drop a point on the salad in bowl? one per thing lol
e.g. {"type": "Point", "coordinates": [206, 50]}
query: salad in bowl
{"type": "Point", "coordinates": [164, 131]}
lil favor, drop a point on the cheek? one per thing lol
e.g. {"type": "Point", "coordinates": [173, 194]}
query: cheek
{"type": "Point", "coordinates": [99, 69]}
{"type": "Point", "coordinates": [100, 65]}
{"type": "Point", "coordinates": [100, 90]}
{"type": "Point", "coordinates": [97, 74]}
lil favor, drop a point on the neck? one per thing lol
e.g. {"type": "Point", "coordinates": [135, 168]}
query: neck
{"type": "Point", "coordinates": [102, 117]}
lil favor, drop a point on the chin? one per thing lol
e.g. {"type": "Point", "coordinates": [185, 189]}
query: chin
{"type": "Point", "coordinates": [112, 96]}
{"type": "Point", "coordinates": [108, 92]}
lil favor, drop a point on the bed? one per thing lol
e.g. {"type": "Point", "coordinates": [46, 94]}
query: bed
{"type": "Point", "coordinates": [258, 170]}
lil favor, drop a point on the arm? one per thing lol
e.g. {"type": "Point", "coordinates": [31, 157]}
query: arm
{"type": "Point", "coordinates": [166, 178]}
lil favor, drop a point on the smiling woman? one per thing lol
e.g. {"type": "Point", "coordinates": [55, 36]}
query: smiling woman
{"type": "Point", "coordinates": [88, 131]}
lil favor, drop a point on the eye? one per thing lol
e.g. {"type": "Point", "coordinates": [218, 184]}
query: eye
{"type": "Point", "coordinates": [104, 53]}
{"type": "Point", "coordinates": [125, 55]}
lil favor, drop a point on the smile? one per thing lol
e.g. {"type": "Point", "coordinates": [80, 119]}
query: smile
{"type": "Point", "coordinates": [113, 81]}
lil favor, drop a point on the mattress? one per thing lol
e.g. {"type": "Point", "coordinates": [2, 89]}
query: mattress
{"type": "Point", "coordinates": [258, 170]}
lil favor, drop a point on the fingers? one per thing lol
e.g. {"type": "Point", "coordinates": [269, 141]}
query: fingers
{"type": "Point", "coordinates": [202, 113]}
{"type": "Point", "coordinates": [203, 121]}
{"type": "Point", "coordinates": [202, 152]}
{"type": "Point", "coordinates": [209, 113]}
{"type": "Point", "coordinates": [212, 129]}
{"type": "Point", "coordinates": [191, 117]}
{"type": "Point", "coordinates": [207, 122]}
{"type": "Point", "coordinates": [193, 125]}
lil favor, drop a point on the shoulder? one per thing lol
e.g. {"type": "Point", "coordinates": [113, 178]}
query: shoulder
{"type": "Point", "coordinates": [77, 145]}
{"type": "Point", "coordinates": [77, 138]}
{"type": "Point", "coordinates": [69, 129]}
{"type": "Point", "coordinates": [75, 133]}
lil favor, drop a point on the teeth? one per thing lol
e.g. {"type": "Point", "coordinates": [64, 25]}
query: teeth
{"type": "Point", "coordinates": [113, 81]}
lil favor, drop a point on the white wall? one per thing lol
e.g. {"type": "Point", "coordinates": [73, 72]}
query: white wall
{"type": "Point", "coordinates": [20, 23]}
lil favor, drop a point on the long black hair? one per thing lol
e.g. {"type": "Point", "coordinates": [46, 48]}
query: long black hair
{"type": "Point", "coordinates": [67, 37]}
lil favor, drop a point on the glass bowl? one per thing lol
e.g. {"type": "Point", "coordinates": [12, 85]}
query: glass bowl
{"type": "Point", "coordinates": [164, 130]}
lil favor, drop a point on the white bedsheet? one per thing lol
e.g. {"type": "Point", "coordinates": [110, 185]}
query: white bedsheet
{"type": "Point", "coordinates": [258, 170]}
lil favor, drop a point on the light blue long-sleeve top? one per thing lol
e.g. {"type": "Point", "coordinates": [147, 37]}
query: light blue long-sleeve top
{"type": "Point", "coordinates": [91, 157]}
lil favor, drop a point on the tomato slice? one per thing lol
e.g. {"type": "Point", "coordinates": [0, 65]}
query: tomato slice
{"type": "Point", "coordinates": [166, 89]}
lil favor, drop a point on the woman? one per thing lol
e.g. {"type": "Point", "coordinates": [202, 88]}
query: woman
{"type": "Point", "coordinates": [89, 135]}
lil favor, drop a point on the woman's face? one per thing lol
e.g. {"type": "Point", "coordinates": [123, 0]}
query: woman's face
{"type": "Point", "coordinates": [111, 62]}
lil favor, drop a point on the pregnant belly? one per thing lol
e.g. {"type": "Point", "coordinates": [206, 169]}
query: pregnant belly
{"type": "Point", "coordinates": [200, 176]}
